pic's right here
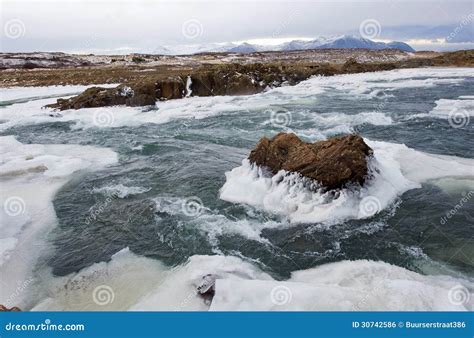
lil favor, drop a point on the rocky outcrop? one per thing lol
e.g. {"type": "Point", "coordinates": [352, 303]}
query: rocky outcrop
{"type": "Point", "coordinates": [12, 309]}
{"type": "Point", "coordinates": [233, 79]}
{"type": "Point", "coordinates": [351, 66]}
{"type": "Point", "coordinates": [136, 94]}
{"type": "Point", "coordinates": [91, 97]}
{"type": "Point", "coordinates": [230, 78]}
{"type": "Point", "coordinates": [333, 163]}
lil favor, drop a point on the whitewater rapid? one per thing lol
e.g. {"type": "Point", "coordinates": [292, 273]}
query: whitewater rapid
{"type": "Point", "coordinates": [32, 174]}
{"type": "Point", "coordinates": [376, 85]}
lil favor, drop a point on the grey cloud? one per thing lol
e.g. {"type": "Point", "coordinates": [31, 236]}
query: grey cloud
{"type": "Point", "coordinates": [146, 25]}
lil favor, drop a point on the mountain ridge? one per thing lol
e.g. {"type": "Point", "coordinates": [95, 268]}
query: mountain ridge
{"type": "Point", "coordinates": [340, 42]}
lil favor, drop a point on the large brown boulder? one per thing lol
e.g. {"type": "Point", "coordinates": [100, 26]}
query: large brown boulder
{"type": "Point", "coordinates": [333, 163]}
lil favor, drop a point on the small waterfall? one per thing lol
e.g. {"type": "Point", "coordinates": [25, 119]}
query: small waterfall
{"type": "Point", "coordinates": [188, 86]}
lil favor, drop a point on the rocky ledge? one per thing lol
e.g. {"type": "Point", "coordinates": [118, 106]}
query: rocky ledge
{"type": "Point", "coordinates": [234, 79]}
{"type": "Point", "coordinates": [333, 163]}
{"type": "Point", "coordinates": [231, 79]}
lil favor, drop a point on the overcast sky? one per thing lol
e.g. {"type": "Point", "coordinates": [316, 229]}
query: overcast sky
{"type": "Point", "coordinates": [146, 25]}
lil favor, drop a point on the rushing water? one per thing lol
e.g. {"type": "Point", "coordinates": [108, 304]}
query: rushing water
{"type": "Point", "coordinates": [162, 196]}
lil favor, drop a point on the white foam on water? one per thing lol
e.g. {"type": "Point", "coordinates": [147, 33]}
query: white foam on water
{"type": "Point", "coordinates": [394, 170]}
{"type": "Point", "coordinates": [210, 223]}
{"type": "Point", "coordinates": [30, 176]}
{"type": "Point", "coordinates": [372, 84]}
{"type": "Point", "coordinates": [458, 111]}
{"type": "Point", "coordinates": [120, 190]}
{"type": "Point", "coordinates": [446, 108]}
{"type": "Point", "coordinates": [305, 92]}
{"type": "Point", "coordinates": [330, 124]}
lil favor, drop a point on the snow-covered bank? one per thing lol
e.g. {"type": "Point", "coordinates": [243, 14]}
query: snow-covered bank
{"type": "Point", "coordinates": [30, 176]}
{"type": "Point", "coordinates": [131, 282]}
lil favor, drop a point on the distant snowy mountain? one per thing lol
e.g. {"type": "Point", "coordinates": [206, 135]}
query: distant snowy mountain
{"type": "Point", "coordinates": [345, 41]}
{"type": "Point", "coordinates": [244, 48]}
{"type": "Point", "coordinates": [357, 42]}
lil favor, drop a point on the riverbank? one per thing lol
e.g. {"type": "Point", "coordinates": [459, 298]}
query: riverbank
{"type": "Point", "coordinates": [49, 69]}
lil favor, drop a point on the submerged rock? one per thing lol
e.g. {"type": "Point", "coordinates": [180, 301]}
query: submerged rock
{"type": "Point", "coordinates": [333, 163]}
{"type": "Point", "coordinates": [3, 308]}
